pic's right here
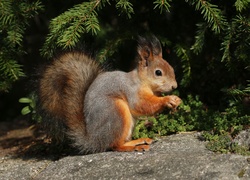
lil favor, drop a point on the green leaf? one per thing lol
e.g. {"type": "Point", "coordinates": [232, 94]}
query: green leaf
{"type": "Point", "coordinates": [26, 110]}
{"type": "Point", "coordinates": [25, 100]}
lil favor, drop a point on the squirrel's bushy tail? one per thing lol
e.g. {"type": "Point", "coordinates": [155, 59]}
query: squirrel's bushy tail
{"type": "Point", "coordinates": [62, 88]}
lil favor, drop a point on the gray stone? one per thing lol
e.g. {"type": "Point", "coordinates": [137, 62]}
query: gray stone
{"type": "Point", "coordinates": [180, 156]}
{"type": "Point", "coordinates": [243, 138]}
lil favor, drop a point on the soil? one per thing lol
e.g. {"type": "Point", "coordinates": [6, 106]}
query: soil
{"type": "Point", "coordinates": [20, 136]}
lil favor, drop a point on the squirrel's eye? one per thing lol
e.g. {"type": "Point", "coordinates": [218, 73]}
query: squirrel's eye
{"type": "Point", "coordinates": [158, 73]}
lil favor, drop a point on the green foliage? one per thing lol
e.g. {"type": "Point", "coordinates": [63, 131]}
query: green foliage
{"type": "Point", "coordinates": [218, 143]}
{"type": "Point", "coordinates": [125, 7]}
{"type": "Point", "coordinates": [193, 115]}
{"type": "Point", "coordinates": [199, 38]}
{"type": "Point", "coordinates": [211, 14]}
{"type": "Point", "coordinates": [10, 72]}
{"type": "Point", "coordinates": [66, 29]}
{"type": "Point", "coordinates": [14, 20]}
{"type": "Point", "coordinates": [183, 54]}
{"type": "Point", "coordinates": [110, 48]}
{"type": "Point", "coordinates": [237, 35]}
{"type": "Point", "coordinates": [224, 143]}
{"type": "Point", "coordinates": [162, 5]}
{"type": "Point", "coordinates": [241, 4]}
{"type": "Point", "coordinates": [219, 52]}
{"type": "Point", "coordinates": [186, 119]}
{"type": "Point", "coordinates": [30, 108]}
{"type": "Point", "coordinates": [237, 93]}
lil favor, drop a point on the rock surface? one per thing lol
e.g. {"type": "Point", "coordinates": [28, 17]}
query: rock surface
{"type": "Point", "coordinates": [180, 156]}
{"type": "Point", "coordinates": [243, 138]}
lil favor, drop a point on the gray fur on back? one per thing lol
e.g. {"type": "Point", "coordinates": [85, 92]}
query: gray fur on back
{"type": "Point", "coordinates": [103, 124]}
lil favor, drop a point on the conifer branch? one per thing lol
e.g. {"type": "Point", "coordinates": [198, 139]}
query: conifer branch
{"type": "Point", "coordinates": [67, 28]}
{"type": "Point", "coordinates": [238, 93]}
{"type": "Point", "coordinates": [182, 53]}
{"type": "Point", "coordinates": [79, 24]}
{"type": "Point", "coordinates": [241, 5]}
{"type": "Point", "coordinates": [199, 38]}
{"type": "Point", "coordinates": [109, 49]}
{"type": "Point", "coordinates": [211, 14]}
{"type": "Point", "coordinates": [126, 7]}
{"type": "Point", "coordinates": [240, 27]}
{"type": "Point", "coordinates": [10, 69]}
{"type": "Point", "coordinates": [14, 19]}
{"type": "Point", "coordinates": [225, 45]}
{"type": "Point", "coordinates": [162, 5]}
{"type": "Point", "coordinates": [247, 89]}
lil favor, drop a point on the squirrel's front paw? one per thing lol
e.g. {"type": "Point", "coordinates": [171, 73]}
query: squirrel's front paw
{"type": "Point", "coordinates": [173, 101]}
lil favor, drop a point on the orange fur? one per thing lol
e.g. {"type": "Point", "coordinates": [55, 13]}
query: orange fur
{"type": "Point", "coordinates": [127, 120]}
{"type": "Point", "coordinates": [123, 143]}
{"type": "Point", "coordinates": [148, 103]}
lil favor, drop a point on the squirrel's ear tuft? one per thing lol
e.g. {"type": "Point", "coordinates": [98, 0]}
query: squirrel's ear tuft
{"type": "Point", "coordinates": [156, 46]}
{"type": "Point", "coordinates": [148, 47]}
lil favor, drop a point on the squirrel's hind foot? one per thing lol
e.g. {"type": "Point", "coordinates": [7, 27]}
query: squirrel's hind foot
{"type": "Point", "coordinates": [141, 144]}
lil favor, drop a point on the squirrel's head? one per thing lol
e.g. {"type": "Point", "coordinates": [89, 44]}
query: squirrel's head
{"type": "Point", "coordinates": [154, 71]}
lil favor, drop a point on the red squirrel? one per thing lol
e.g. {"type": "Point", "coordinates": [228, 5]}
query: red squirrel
{"type": "Point", "coordinates": [97, 109]}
